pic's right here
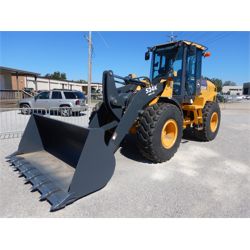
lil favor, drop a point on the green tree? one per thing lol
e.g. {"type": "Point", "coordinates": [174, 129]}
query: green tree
{"type": "Point", "coordinates": [218, 83]}
{"type": "Point", "coordinates": [229, 83]}
{"type": "Point", "coordinates": [57, 75]}
{"type": "Point", "coordinates": [82, 81]}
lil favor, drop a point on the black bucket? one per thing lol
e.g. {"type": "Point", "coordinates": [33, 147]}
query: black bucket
{"type": "Point", "coordinates": [64, 162]}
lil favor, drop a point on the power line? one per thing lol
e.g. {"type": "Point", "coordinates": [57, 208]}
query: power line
{"type": "Point", "coordinates": [205, 37]}
{"type": "Point", "coordinates": [104, 41]}
{"type": "Point", "coordinates": [199, 35]}
{"type": "Point", "coordinates": [219, 38]}
{"type": "Point", "coordinates": [192, 35]}
{"type": "Point", "coordinates": [180, 33]}
{"type": "Point", "coordinates": [214, 37]}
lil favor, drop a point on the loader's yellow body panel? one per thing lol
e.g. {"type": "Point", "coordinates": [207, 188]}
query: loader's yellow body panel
{"type": "Point", "coordinates": [192, 112]}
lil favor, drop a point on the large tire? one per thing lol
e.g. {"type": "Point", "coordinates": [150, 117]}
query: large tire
{"type": "Point", "coordinates": [151, 135]}
{"type": "Point", "coordinates": [211, 122]}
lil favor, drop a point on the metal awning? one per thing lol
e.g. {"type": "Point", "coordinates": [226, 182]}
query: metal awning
{"type": "Point", "coordinates": [17, 72]}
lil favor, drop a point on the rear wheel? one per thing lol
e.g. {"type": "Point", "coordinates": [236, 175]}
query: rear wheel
{"type": "Point", "coordinates": [159, 132]}
{"type": "Point", "coordinates": [211, 122]}
{"type": "Point", "coordinates": [25, 109]}
{"type": "Point", "coordinates": [65, 111]}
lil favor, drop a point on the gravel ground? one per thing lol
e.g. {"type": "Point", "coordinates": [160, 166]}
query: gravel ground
{"type": "Point", "coordinates": [202, 180]}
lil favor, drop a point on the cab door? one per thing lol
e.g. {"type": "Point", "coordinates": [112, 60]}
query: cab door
{"type": "Point", "coordinates": [56, 99]}
{"type": "Point", "coordinates": [42, 100]}
{"type": "Point", "coordinates": [193, 73]}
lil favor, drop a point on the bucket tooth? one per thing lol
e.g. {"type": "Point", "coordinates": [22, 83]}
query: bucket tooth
{"type": "Point", "coordinates": [35, 188]}
{"type": "Point", "coordinates": [15, 160]}
{"type": "Point", "coordinates": [32, 177]}
{"type": "Point", "coordinates": [46, 195]}
{"type": "Point", "coordinates": [10, 160]}
{"type": "Point", "coordinates": [47, 189]}
{"type": "Point", "coordinates": [30, 174]}
{"type": "Point", "coordinates": [39, 181]}
{"type": "Point", "coordinates": [59, 200]}
{"type": "Point", "coordinates": [24, 168]}
{"type": "Point", "coordinates": [24, 172]}
{"type": "Point", "coordinates": [14, 167]}
{"type": "Point", "coordinates": [20, 164]}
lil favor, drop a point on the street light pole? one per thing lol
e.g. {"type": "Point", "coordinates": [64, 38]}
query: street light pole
{"type": "Point", "coordinates": [89, 67]}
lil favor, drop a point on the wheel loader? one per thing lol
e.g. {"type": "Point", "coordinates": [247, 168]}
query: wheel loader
{"type": "Point", "coordinates": [65, 162]}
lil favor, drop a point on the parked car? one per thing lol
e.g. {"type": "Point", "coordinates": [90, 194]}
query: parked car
{"type": "Point", "coordinates": [64, 101]}
{"type": "Point", "coordinates": [239, 97]}
{"type": "Point", "coordinates": [228, 98]}
{"type": "Point", "coordinates": [221, 98]}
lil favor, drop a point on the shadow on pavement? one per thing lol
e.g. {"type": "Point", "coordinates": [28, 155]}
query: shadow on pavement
{"type": "Point", "coordinates": [130, 150]}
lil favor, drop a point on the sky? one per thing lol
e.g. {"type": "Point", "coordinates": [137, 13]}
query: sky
{"type": "Point", "coordinates": [122, 52]}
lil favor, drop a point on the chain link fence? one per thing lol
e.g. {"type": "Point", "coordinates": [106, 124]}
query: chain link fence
{"type": "Point", "coordinates": [14, 120]}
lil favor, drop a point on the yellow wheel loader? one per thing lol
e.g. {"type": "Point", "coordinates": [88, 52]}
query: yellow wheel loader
{"type": "Point", "coordinates": [65, 162]}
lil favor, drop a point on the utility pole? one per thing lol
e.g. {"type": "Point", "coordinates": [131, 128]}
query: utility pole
{"type": "Point", "coordinates": [89, 67]}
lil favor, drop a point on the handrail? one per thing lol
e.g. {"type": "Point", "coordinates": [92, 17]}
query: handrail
{"type": "Point", "coordinates": [28, 94]}
{"type": "Point", "coordinates": [10, 94]}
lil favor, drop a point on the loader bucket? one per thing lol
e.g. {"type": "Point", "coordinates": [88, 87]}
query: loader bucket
{"type": "Point", "coordinates": [64, 162]}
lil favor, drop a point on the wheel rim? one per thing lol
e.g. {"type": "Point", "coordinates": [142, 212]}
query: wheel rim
{"type": "Point", "coordinates": [169, 133]}
{"type": "Point", "coordinates": [64, 112]}
{"type": "Point", "coordinates": [25, 109]}
{"type": "Point", "coordinates": [214, 121]}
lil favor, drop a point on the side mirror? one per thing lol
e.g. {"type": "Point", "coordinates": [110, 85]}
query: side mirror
{"type": "Point", "coordinates": [35, 97]}
{"type": "Point", "coordinates": [147, 56]}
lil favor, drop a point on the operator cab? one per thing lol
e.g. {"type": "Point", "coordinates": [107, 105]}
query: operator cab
{"type": "Point", "coordinates": [180, 61]}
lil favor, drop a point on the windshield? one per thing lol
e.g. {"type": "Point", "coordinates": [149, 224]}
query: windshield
{"type": "Point", "coordinates": [164, 60]}
{"type": "Point", "coordinates": [79, 95]}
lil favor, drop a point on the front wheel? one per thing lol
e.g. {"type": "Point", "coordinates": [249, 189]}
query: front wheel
{"type": "Point", "coordinates": [159, 132]}
{"type": "Point", "coordinates": [25, 109]}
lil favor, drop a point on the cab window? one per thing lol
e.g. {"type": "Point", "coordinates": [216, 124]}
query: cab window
{"type": "Point", "coordinates": [168, 62]}
{"type": "Point", "coordinates": [191, 71]}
